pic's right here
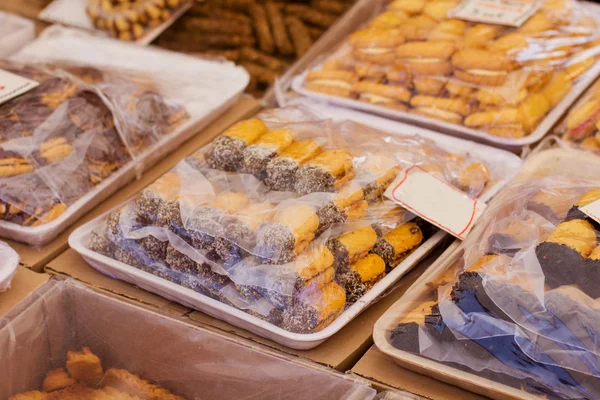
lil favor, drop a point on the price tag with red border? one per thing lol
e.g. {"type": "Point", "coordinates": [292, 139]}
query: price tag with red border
{"type": "Point", "coordinates": [12, 85]}
{"type": "Point", "coordinates": [436, 201]}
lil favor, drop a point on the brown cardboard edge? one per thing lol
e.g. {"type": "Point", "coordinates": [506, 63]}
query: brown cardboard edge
{"type": "Point", "coordinates": [387, 375]}
{"type": "Point", "coordinates": [23, 284]}
{"type": "Point", "coordinates": [36, 259]}
{"type": "Point", "coordinates": [346, 347]}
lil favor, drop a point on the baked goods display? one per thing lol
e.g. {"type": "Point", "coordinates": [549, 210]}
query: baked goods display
{"type": "Point", "coordinates": [71, 133]}
{"type": "Point", "coordinates": [84, 377]}
{"type": "Point", "coordinates": [265, 37]}
{"type": "Point", "coordinates": [130, 19]}
{"type": "Point", "coordinates": [283, 220]}
{"type": "Point", "coordinates": [415, 58]}
{"type": "Point", "coordinates": [581, 124]}
{"type": "Point", "coordinates": [519, 305]}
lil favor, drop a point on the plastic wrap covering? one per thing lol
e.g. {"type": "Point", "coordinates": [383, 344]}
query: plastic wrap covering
{"type": "Point", "coordinates": [90, 125]}
{"type": "Point", "coordinates": [416, 61]}
{"type": "Point", "coordinates": [15, 32]}
{"type": "Point", "coordinates": [8, 265]}
{"type": "Point", "coordinates": [68, 341]}
{"type": "Point", "coordinates": [580, 125]}
{"type": "Point", "coordinates": [299, 240]}
{"type": "Point", "coordinates": [519, 305]}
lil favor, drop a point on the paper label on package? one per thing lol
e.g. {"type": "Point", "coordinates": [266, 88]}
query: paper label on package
{"type": "Point", "coordinates": [592, 210]}
{"type": "Point", "coordinates": [500, 12]}
{"type": "Point", "coordinates": [436, 201]}
{"type": "Point", "coordinates": [12, 85]}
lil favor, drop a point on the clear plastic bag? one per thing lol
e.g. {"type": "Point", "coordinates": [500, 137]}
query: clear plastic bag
{"type": "Point", "coordinates": [68, 339]}
{"type": "Point", "coordinates": [299, 241]}
{"type": "Point", "coordinates": [15, 32]}
{"type": "Point", "coordinates": [415, 58]}
{"type": "Point", "coordinates": [8, 268]}
{"type": "Point", "coordinates": [96, 119]}
{"type": "Point", "coordinates": [518, 306]}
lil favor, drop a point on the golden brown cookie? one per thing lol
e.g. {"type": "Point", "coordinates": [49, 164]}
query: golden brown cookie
{"type": "Point", "coordinates": [533, 109]}
{"type": "Point", "coordinates": [370, 71]}
{"type": "Point", "coordinates": [425, 58]}
{"type": "Point", "coordinates": [429, 86]}
{"type": "Point", "coordinates": [389, 20]}
{"type": "Point", "coordinates": [373, 92]}
{"type": "Point", "coordinates": [338, 83]}
{"type": "Point", "coordinates": [511, 43]}
{"type": "Point", "coordinates": [557, 88]}
{"type": "Point", "coordinates": [481, 67]}
{"type": "Point", "coordinates": [398, 76]}
{"type": "Point", "coordinates": [417, 28]}
{"type": "Point", "coordinates": [496, 99]}
{"type": "Point", "coordinates": [375, 46]}
{"type": "Point", "coordinates": [449, 109]}
{"type": "Point", "coordinates": [537, 23]}
{"type": "Point", "coordinates": [438, 9]}
{"type": "Point", "coordinates": [451, 30]}
{"type": "Point", "coordinates": [457, 89]}
{"type": "Point", "coordinates": [503, 116]}
{"type": "Point", "coordinates": [480, 35]}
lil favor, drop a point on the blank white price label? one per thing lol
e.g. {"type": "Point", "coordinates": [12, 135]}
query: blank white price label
{"type": "Point", "coordinates": [501, 12]}
{"type": "Point", "coordinates": [12, 85]}
{"type": "Point", "coordinates": [436, 201]}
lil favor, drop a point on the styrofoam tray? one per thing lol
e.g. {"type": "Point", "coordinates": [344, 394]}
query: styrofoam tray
{"type": "Point", "coordinates": [223, 82]}
{"type": "Point", "coordinates": [501, 163]}
{"type": "Point", "coordinates": [571, 162]}
{"type": "Point", "coordinates": [9, 261]}
{"type": "Point", "coordinates": [584, 81]}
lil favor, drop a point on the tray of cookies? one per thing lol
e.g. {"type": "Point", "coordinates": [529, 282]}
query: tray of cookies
{"type": "Point", "coordinates": [90, 126]}
{"type": "Point", "coordinates": [511, 313]}
{"type": "Point", "coordinates": [265, 37]}
{"type": "Point", "coordinates": [281, 227]}
{"type": "Point", "coordinates": [67, 340]}
{"type": "Point", "coordinates": [501, 85]}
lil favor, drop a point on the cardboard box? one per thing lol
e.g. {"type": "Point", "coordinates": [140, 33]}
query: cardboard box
{"type": "Point", "coordinates": [37, 258]}
{"type": "Point", "coordinates": [191, 361]}
{"type": "Point", "coordinates": [23, 284]}
{"type": "Point", "coordinates": [387, 375]}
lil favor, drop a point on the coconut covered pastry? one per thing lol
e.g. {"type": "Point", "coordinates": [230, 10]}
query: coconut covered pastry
{"type": "Point", "coordinates": [71, 133]}
{"type": "Point", "coordinates": [283, 219]}
{"type": "Point", "coordinates": [520, 305]}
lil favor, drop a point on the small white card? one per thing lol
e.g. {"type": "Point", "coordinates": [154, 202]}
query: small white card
{"type": "Point", "coordinates": [12, 85]}
{"type": "Point", "coordinates": [592, 210]}
{"type": "Point", "coordinates": [500, 12]}
{"type": "Point", "coordinates": [436, 201]}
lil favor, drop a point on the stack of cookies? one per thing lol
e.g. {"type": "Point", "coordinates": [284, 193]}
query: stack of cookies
{"type": "Point", "coordinates": [582, 123]}
{"type": "Point", "coordinates": [265, 37]}
{"type": "Point", "coordinates": [61, 139]}
{"type": "Point", "coordinates": [416, 58]}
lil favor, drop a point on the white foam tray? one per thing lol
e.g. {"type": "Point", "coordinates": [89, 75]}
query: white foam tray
{"type": "Point", "coordinates": [218, 84]}
{"type": "Point", "coordinates": [571, 162]}
{"type": "Point", "coordinates": [501, 163]}
{"type": "Point", "coordinates": [9, 261]}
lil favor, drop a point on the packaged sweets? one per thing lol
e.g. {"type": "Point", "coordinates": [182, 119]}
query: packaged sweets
{"type": "Point", "coordinates": [517, 305]}
{"type": "Point", "coordinates": [579, 126]}
{"type": "Point", "coordinates": [415, 58]}
{"type": "Point", "coordinates": [94, 122]}
{"type": "Point", "coordinates": [9, 265]}
{"type": "Point", "coordinates": [263, 37]}
{"type": "Point", "coordinates": [299, 240]}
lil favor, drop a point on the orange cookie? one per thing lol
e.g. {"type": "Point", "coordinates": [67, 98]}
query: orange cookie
{"type": "Point", "coordinates": [375, 46]}
{"type": "Point", "coordinates": [375, 93]}
{"type": "Point", "coordinates": [459, 90]}
{"type": "Point", "coordinates": [492, 98]}
{"type": "Point", "coordinates": [557, 88]}
{"type": "Point", "coordinates": [538, 23]}
{"type": "Point", "coordinates": [480, 35]}
{"type": "Point", "coordinates": [481, 67]}
{"type": "Point", "coordinates": [438, 9]}
{"type": "Point", "coordinates": [451, 30]}
{"type": "Point", "coordinates": [429, 86]}
{"type": "Point", "coordinates": [425, 58]}
{"type": "Point", "coordinates": [457, 106]}
{"type": "Point", "coordinates": [398, 76]}
{"type": "Point", "coordinates": [389, 19]}
{"type": "Point", "coordinates": [410, 7]}
{"type": "Point", "coordinates": [337, 83]}
{"type": "Point", "coordinates": [501, 116]}
{"type": "Point", "coordinates": [417, 28]}
{"type": "Point", "coordinates": [511, 43]}
{"type": "Point", "coordinates": [533, 109]}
